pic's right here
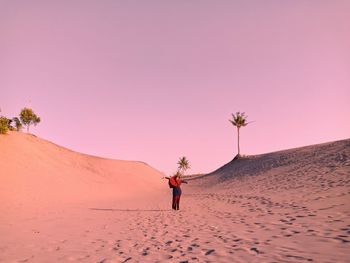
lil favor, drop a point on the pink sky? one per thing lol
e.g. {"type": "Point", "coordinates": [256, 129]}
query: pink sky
{"type": "Point", "coordinates": [156, 80]}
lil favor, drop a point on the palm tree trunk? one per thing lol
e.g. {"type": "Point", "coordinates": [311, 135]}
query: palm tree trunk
{"type": "Point", "coordinates": [238, 142]}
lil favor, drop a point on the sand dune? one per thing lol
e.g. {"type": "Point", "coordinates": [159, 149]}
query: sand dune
{"type": "Point", "coordinates": [36, 172]}
{"type": "Point", "coordinates": [288, 206]}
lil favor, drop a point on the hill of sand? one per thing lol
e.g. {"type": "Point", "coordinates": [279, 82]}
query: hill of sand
{"type": "Point", "coordinates": [36, 172]}
{"type": "Point", "coordinates": [287, 206]}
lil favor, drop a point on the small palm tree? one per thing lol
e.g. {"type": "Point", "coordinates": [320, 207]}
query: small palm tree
{"type": "Point", "coordinates": [184, 165]}
{"type": "Point", "coordinates": [239, 120]}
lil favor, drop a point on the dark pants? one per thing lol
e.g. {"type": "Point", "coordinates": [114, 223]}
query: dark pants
{"type": "Point", "coordinates": [176, 202]}
{"type": "Point", "coordinates": [176, 198]}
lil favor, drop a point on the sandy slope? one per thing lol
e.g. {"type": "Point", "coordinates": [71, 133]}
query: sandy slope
{"type": "Point", "coordinates": [289, 206]}
{"type": "Point", "coordinates": [36, 172]}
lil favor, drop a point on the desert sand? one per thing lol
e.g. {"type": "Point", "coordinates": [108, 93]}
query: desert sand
{"type": "Point", "coordinates": [58, 205]}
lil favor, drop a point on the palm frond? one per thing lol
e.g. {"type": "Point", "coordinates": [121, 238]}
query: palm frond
{"type": "Point", "coordinates": [239, 119]}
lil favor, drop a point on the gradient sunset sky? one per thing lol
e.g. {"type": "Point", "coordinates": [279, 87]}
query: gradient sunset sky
{"type": "Point", "coordinates": [156, 80]}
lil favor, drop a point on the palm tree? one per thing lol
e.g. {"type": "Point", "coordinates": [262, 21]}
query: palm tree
{"type": "Point", "coordinates": [184, 164]}
{"type": "Point", "coordinates": [239, 120]}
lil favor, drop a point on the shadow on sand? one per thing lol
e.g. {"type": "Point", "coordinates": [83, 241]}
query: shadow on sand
{"type": "Point", "coordinates": [130, 210]}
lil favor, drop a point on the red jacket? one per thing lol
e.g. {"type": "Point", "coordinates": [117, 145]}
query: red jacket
{"type": "Point", "coordinates": [176, 182]}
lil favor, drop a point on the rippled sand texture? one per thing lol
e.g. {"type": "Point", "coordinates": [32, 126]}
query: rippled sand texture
{"type": "Point", "coordinates": [288, 206]}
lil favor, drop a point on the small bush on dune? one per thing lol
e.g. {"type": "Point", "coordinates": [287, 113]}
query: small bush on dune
{"type": "Point", "coordinates": [17, 124]}
{"type": "Point", "coordinates": [4, 123]}
{"type": "Point", "coordinates": [28, 117]}
{"type": "Point", "coordinates": [9, 125]}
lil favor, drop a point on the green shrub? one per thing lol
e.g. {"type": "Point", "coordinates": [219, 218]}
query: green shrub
{"type": "Point", "coordinates": [28, 117]}
{"type": "Point", "coordinates": [4, 123]}
{"type": "Point", "coordinates": [17, 124]}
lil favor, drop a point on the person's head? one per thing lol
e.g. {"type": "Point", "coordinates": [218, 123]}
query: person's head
{"type": "Point", "coordinates": [177, 175]}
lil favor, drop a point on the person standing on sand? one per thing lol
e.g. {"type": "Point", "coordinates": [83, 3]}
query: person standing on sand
{"type": "Point", "coordinates": [175, 182]}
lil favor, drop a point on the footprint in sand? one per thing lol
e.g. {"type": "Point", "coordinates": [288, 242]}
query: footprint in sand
{"type": "Point", "coordinates": [254, 249]}
{"type": "Point", "coordinates": [210, 251]}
